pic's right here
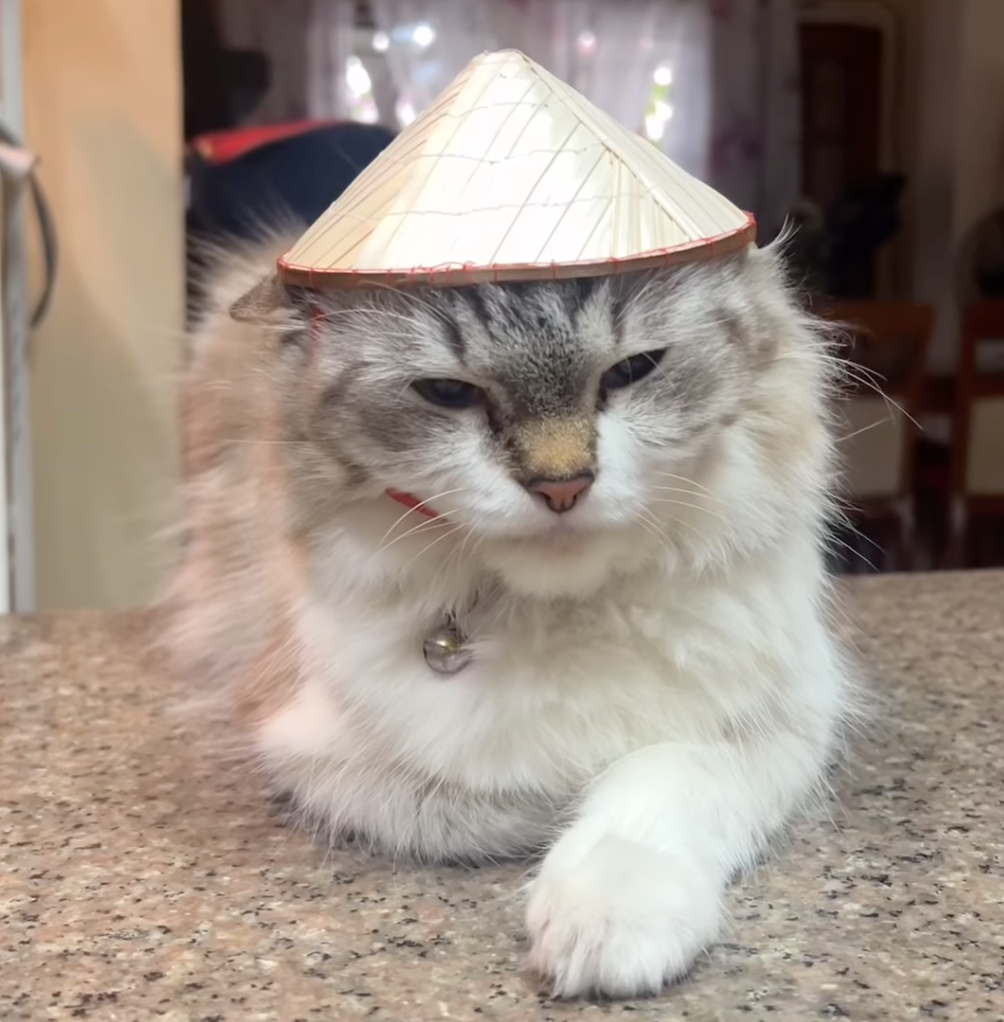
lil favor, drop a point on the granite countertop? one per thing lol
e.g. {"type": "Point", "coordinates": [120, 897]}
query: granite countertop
{"type": "Point", "coordinates": [143, 875]}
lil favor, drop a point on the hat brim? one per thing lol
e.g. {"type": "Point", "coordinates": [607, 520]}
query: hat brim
{"type": "Point", "coordinates": [463, 274]}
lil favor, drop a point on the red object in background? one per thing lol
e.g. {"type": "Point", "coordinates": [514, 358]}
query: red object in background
{"type": "Point", "coordinates": [244, 179]}
{"type": "Point", "coordinates": [223, 146]}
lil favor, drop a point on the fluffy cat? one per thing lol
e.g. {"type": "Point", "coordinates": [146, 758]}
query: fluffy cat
{"type": "Point", "coordinates": [623, 485]}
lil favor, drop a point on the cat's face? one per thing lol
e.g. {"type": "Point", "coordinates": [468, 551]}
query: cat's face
{"type": "Point", "coordinates": [571, 428]}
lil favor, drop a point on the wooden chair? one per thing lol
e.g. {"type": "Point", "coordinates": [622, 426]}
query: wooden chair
{"type": "Point", "coordinates": [978, 432]}
{"type": "Point", "coordinates": [886, 344]}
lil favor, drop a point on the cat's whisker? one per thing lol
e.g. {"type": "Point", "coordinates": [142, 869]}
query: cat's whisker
{"type": "Point", "coordinates": [415, 299]}
{"type": "Point", "coordinates": [262, 442]}
{"type": "Point", "coordinates": [463, 545]}
{"type": "Point", "coordinates": [693, 507]}
{"type": "Point", "coordinates": [853, 551]}
{"type": "Point", "coordinates": [653, 529]}
{"type": "Point", "coordinates": [422, 525]}
{"type": "Point", "coordinates": [844, 518]}
{"type": "Point", "coordinates": [422, 504]}
{"type": "Point", "coordinates": [697, 495]}
{"type": "Point", "coordinates": [863, 429]}
{"type": "Point", "coordinates": [844, 369]}
{"type": "Point", "coordinates": [703, 494]}
{"type": "Point", "coordinates": [676, 520]}
{"type": "Point", "coordinates": [683, 479]}
{"type": "Point", "coordinates": [331, 315]}
{"type": "Point", "coordinates": [658, 525]}
{"type": "Point", "coordinates": [447, 561]}
{"type": "Point", "coordinates": [429, 546]}
{"type": "Point", "coordinates": [425, 525]}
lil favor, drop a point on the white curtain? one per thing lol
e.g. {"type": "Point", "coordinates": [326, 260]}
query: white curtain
{"type": "Point", "coordinates": [755, 148]}
{"type": "Point", "coordinates": [733, 99]}
{"type": "Point", "coordinates": [423, 65]}
{"type": "Point", "coordinates": [607, 50]}
{"type": "Point", "coordinates": [688, 134]}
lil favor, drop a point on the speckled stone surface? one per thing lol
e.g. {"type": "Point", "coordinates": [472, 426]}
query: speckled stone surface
{"type": "Point", "coordinates": [143, 876]}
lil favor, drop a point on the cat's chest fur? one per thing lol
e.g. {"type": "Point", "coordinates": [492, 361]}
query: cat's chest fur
{"type": "Point", "coordinates": [555, 693]}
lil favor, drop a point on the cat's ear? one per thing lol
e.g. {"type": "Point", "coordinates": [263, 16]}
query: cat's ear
{"type": "Point", "coordinates": [262, 303]}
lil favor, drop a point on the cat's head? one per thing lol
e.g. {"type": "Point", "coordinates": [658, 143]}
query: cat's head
{"type": "Point", "coordinates": [571, 429]}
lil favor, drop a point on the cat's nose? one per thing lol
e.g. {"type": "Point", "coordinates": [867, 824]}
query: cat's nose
{"type": "Point", "coordinates": [560, 495]}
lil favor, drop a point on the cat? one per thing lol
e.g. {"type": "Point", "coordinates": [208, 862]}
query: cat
{"type": "Point", "coordinates": [618, 491]}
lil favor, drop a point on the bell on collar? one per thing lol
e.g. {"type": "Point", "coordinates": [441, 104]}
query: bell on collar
{"type": "Point", "coordinates": [446, 650]}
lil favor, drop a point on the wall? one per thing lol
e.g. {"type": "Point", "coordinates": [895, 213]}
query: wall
{"type": "Point", "coordinates": [935, 161]}
{"type": "Point", "coordinates": [945, 130]}
{"type": "Point", "coordinates": [979, 136]}
{"type": "Point", "coordinates": [899, 23]}
{"type": "Point", "coordinates": [960, 149]}
{"type": "Point", "coordinates": [103, 109]}
{"type": "Point", "coordinates": [892, 18]}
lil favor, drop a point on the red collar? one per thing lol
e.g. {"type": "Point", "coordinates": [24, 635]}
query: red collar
{"type": "Point", "coordinates": [412, 503]}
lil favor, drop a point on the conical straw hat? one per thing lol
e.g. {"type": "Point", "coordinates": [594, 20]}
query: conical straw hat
{"type": "Point", "coordinates": [512, 175]}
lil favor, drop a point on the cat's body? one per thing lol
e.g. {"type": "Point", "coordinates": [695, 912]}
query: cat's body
{"type": "Point", "coordinates": [652, 690]}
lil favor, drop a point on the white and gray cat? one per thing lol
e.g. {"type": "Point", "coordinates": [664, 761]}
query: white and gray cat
{"type": "Point", "coordinates": [618, 493]}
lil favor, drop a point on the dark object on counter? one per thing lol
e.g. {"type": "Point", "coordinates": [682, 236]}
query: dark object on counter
{"type": "Point", "coordinates": [243, 182]}
{"type": "Point", "coordinates": [980, 262]}
{"type": "Point", "coordinates": [834, 251]}
{"type": "Point", "coordinates": [858, 225]}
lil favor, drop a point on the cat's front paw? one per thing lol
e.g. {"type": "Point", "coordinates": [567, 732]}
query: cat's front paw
{"type": "Point", "coordinates": [621, 921]}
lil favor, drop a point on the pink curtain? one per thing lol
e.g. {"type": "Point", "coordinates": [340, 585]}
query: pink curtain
{"type": "Point", "coordinates": [754, 154]}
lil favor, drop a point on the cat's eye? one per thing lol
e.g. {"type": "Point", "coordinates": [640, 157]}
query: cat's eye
{"type": "Point", "coordinates": [631, 370]}
{"type": "Point", "coordinates": [450, 393]}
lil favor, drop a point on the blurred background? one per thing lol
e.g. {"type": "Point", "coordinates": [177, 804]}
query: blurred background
{"type": "Point", "coordinates": [131, 130]}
